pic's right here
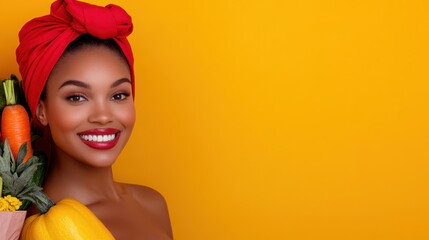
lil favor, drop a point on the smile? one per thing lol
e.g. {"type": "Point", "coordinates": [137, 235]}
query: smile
{"type": "Point", "coordinates": [100, 138]}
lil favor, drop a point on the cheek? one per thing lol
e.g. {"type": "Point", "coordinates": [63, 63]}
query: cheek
{"type": "Point", "coordinates": [61, 118]}
{"type": "Point", "coordinates": [127, 114]}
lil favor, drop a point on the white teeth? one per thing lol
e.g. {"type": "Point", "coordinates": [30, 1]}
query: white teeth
{"type": "Point", "coordinates": [98, 138]}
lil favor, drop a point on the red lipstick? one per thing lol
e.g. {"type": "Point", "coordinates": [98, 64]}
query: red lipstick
{"type": "Point", "coordinates": [100, 138]}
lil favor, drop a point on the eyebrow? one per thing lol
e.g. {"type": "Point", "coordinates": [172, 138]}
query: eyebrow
{"type": "Point", "coordinates": [120, 81]}
{"type": "Point", "coordinates": [74, 83]}
{"type": "Point", "coordinates": [85, 85]}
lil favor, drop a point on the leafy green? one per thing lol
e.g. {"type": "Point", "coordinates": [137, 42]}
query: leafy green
{"type": "Point", "coordinates": [19, 176]}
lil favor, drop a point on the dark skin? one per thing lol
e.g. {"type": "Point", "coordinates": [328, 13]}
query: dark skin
{"type": "Point", "coordinates": [100, 93]}
{"type": "Point", "coordinates": [139, 210]}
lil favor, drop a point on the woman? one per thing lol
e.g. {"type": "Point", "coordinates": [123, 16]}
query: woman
{"type": "Point", "coordinates": [77, 71]}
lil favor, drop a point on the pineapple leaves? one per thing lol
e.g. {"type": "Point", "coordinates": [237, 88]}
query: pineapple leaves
{"type": "Point", "coordinates": [4, 165]}
{"type": "Point", "coordinates": [21, 153]}
{"type": "Point", "coordinates": [24, 179]}
{"type": "Point", "coordinates": [17, 175]}
{"type": "Point", "coordinates": [6, 158]}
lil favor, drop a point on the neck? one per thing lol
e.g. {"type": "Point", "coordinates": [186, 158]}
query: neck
{"type": "Point", "coordinates": [70, 178]}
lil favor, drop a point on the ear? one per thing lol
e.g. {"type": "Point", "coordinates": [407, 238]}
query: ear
{"type": "Point", "coordinates": [41, 113]}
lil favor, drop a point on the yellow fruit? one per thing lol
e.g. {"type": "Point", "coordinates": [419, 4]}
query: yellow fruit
{"type": "Point", "coordinates": [69, 219]}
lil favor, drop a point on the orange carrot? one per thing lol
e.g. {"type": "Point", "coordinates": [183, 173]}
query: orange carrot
{"type": "Point", "coordinates": [15, 123]}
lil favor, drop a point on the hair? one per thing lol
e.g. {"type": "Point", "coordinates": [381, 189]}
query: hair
{"type": "Point", "coordinates": [85, 41]}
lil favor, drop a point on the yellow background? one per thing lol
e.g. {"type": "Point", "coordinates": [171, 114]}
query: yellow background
{"type": "Point", "coordinates": [276, 119]}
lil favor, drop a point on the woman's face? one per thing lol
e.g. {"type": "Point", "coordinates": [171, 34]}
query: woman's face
{"type": "Point", "coordinates": [89, 106]}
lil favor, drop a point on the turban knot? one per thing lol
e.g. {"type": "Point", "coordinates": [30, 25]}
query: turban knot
{"type": "Point", "coordinates": [44, 39]}
{"type": "Point", "coordinates": [101, 22]}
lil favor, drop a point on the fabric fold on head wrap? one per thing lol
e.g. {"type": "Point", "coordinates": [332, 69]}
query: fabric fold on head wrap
{"type": "Point", "coordinates": [44, 39]}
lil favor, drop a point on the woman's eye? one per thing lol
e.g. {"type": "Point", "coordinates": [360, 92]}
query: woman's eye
{"type": "Point", "coordinates": [75, 98]}
{"type": "Point", "coordinates": [120, 96]}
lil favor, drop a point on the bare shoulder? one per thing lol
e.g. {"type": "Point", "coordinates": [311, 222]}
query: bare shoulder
{"type": "Point", "coordinates": [152, 201]}
{"type": "Point", "coordinates": [146, 196]}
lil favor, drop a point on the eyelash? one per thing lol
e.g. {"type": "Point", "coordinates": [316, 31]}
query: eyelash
{"type": "Point", "coordinates": [122, 96]}
{"type": "Point", "coordinates": [75, 98]}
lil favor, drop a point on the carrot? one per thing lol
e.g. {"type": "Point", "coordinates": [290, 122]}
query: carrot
{"type": "Point", "coordinates": [15, 123]}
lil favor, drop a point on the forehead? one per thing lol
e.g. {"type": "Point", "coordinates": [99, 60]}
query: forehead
{"type": "Point", "coordinates": [95, 63]}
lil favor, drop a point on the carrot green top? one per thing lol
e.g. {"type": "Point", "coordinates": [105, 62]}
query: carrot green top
{"type": "Point", "coordinates": [9, 92]}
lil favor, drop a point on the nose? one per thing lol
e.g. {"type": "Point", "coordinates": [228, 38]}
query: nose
{"type": "Point", "coordinates": [100, 113]}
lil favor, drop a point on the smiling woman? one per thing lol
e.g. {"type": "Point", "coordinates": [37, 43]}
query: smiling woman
{"type": "Point", "coordinates": [83, 98]}
{"type": "Point", "coordinates": [93, 81]}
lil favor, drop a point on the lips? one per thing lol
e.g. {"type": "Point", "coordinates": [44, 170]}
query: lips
{"type": "Point", "coordinates": [100, 138]}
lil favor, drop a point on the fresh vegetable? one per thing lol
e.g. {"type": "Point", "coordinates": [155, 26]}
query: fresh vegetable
{"type": "Point", "coordinates": [19, 178]}
{"type": "Point", "coordinates": [38, 176]}
{"type": "Point", "coordinates": [22, 176]}
{"type": "Point", "coordinates": [68, 219]}
{"type": "Point", "coordinates": [15, 123]}
{"type": "Point", "coordinates": [19, 94]}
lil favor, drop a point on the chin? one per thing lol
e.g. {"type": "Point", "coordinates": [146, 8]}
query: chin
{"type": "Point", "coordinates": [101, 162]}
{"type": "Point", "coordinates": [106, 159]}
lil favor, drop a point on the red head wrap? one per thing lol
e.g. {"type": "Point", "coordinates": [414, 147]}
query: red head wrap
{"type": "Point", "coordinates": [44, 39]}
